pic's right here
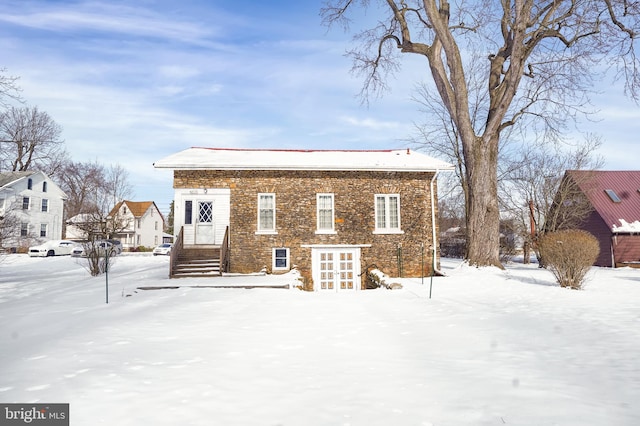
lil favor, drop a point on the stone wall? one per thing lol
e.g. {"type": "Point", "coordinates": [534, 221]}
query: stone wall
{"type": "Point", "coordinates": [295, 193]}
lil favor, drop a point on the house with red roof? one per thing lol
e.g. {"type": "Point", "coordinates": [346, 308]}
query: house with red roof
{"type": "Point", "coordinates": [614, 218]}
{"type": "Point", "coordinates": [331, 214]}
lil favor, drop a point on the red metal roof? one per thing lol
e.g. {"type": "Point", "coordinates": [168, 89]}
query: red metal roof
{"type": "Point", "coordinates": [625, 184]}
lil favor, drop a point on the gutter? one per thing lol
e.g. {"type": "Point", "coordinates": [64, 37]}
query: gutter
{"type": "Point", "coordinates": [433, 224]}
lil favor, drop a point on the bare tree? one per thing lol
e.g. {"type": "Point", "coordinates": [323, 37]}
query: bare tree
{"type": "Point", "coordinates": [532, 186]}
{"type": "Point", "coordinates": [117, 183]}
{"type": "Point", "coordinates": [31, 139]}
{"type": "Point", "coordinates": [9, 90]}
{"type": "Point", "coordinates": [536, 51]}
{"type": "Point", "coordinates": [93, 191]}
{"type": "Point", "coordinates": [81, 182]}
{"type": "Point", "coordinates": [9, 225]}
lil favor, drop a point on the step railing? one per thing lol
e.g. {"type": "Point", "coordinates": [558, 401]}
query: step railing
{"type": "Point", "coordinates": [178, 245]}
{"type": "Point", "coordinates": [224, 253]}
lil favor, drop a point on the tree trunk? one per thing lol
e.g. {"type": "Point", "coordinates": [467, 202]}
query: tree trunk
{"type": "Point", "coordinates": [483, 216]}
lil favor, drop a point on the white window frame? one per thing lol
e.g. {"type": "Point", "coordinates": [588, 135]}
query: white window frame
{"type": "Point", "coordinates": [44, 205]}
{"type": "Point", "coordinates": [27, 204]}
{"type": "Point", "coordinates": [44, 230]}
{"type": "Point", "coordinates": [387, 228]}
{"type": "Point", "coordinates": [274, 263]}
{"type": "Point", "coordinates": [331, 230]}
{"type": "Point", "coordinates": [261, 228]}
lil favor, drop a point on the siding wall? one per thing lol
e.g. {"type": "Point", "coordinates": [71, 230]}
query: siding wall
{"type": "Point", "coordinates": [296, 216]}
{"type": "Point", "coordinates": [627, 248]}
{"type": "Point", "coordinates": [596, 226]}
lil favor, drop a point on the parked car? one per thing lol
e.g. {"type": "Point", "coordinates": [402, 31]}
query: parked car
{"type": "Point", "coordinates": [52, 248]}
{"type": "Point", "coordinates": [164, 249]}
{"type": "Point", "coordinates": [117, 246]}
{"type": "Point", "coordinates": [101, 246]}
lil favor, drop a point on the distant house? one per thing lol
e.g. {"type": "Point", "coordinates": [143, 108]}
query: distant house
{"type": "Point", "coordinates": [35, 204]}
{"type": "Point", "coordinates": [81, 225]}
{"type": "Point", "coordinates": [333, 214]}
{"type": "Point", "coordinates": [141, 224]}
{"type": "Point", "coordinates": [615, 215]}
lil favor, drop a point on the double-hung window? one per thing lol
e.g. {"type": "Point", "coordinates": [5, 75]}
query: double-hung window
{"type": "Point", "coordinates": [325, 213]}
{"type": "Point", "coordinates": [45, 205]}
{"type": "Point", "coordinates": [387, 211]}
{"type": "Point", "coordinates": [25, 203]}
{"type": "Point", "coordinates": [267, 213]}
{"type": "Point", "coordinates": [43, 229]}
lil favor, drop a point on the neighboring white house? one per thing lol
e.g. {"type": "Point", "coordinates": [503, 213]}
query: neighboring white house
{"type": "Point", "coordinates": [37, 205]}
{"type": "Point", "coordinates": [143, 224]}
{"type": "Point", "coordinates": [77, 227]}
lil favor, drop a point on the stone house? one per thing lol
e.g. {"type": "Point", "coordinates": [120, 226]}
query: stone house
{"type": "Point", "coordinates": [31, 209]}
{"type": "Point", "coordinates": [331, 214]}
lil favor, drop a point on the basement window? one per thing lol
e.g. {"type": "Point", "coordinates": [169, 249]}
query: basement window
{"type": "Point", "coordinates": [612, 194]}
{"type": "Point", "coordinates": [280, 259]}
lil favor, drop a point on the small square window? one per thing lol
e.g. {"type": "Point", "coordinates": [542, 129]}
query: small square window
{"type": "Point", "coordinates": [281, 259]}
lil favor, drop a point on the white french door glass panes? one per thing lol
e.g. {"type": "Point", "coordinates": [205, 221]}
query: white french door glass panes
{"type": "Point", "coordinates": [337, 269]}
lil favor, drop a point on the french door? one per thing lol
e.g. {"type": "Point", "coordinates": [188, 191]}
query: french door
{"type": "Point", "coordinates": [336, 269]}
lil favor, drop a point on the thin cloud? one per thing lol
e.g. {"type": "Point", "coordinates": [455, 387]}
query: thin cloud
{"type": "Point", "coordinates": [370, 123]}
{"type": "Point", "coordinates": [123, 20]}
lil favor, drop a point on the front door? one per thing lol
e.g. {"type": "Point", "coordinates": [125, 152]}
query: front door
{"type": "Point", "coordinates": [336, 269]}
{"type": "Point", "coordinates": [205, 229]}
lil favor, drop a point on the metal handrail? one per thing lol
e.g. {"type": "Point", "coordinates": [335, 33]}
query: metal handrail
{"type": "Point", "coordinates": [175, 252]}
{"type": "Point", "coordinates": [224, 253]}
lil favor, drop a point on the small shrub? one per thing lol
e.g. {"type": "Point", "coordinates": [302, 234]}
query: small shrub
{"type": "Point", "coordinates": [569, 255]}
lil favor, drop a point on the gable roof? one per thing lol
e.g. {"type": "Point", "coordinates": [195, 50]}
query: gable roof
{"type": "Point", "coordinates": [622, 216]}
{"type": "Point", "coordinates": [137, 208]}
{"type": "Point", "coordinates": [403, 160]}
{"type": "Point", "coordinates": [7, 178]}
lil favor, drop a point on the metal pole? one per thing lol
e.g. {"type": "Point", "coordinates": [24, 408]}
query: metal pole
{"type": "Point", "coordinates": [106, 271]}
{"type": "Point", "coordinates": [422, 266]}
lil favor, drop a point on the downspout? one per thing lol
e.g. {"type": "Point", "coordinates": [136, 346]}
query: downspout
{"type": "Point", "coordinates": [433, 223]}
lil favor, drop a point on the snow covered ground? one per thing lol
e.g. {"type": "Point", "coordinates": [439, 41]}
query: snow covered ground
{"type": "Point", "coordinates": [490, 348]}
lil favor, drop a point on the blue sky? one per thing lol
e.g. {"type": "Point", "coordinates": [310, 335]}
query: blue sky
{"type": "Point", "coordinates": [133, 81]}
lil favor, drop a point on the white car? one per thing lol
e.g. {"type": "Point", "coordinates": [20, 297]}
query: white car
{"type": "Point", "coordinates": [99, 246]}
{"type": "Point", "coordinates": [164, 249]}
{"type": "Point", "coordinates": [52, 248]}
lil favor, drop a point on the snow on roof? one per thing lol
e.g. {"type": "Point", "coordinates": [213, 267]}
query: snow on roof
{"type": "Point", "coordinates": [627, 227]}
{"type": "Point", "coordinates": [289, 159]}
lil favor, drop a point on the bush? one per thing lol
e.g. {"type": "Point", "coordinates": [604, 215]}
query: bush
{"type": "Point", "coordinates": [569, 255]}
